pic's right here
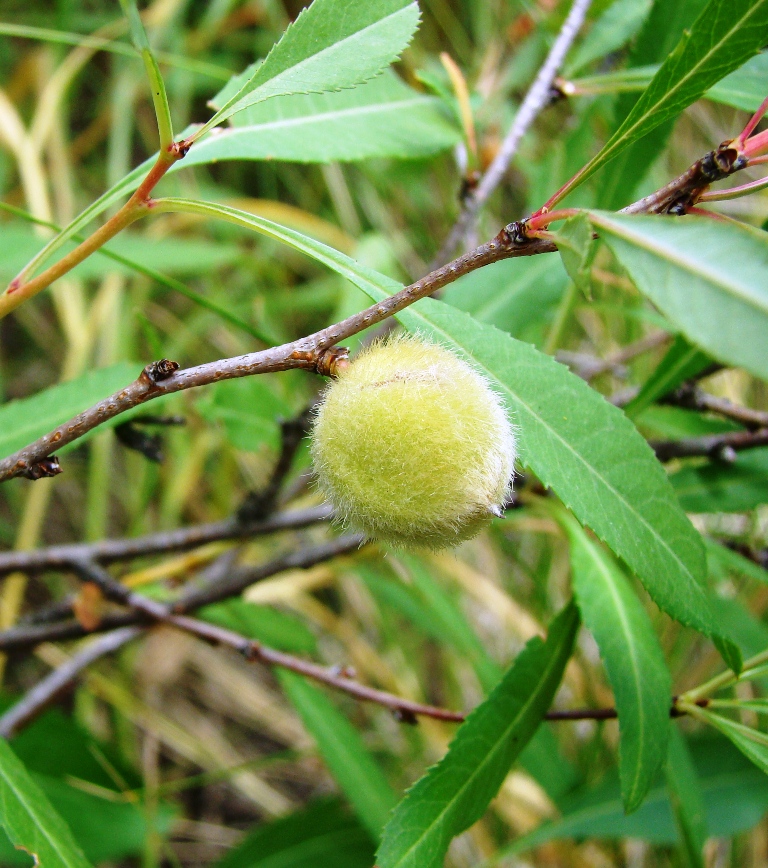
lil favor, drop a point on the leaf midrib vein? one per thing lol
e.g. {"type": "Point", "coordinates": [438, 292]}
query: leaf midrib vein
{"type": "Point", "coordinates": [554, 658]}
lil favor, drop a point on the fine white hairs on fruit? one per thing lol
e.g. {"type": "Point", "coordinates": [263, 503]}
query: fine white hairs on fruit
{"type": "Point", "coordinates": [412, 446]}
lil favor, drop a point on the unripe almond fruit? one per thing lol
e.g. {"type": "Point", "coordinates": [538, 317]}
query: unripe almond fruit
{"type": "Point", "coordinates": [412, 446]}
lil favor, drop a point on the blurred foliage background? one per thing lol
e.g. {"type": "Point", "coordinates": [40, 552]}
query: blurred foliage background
{"type": "Point", "coordinates": [174, 752]}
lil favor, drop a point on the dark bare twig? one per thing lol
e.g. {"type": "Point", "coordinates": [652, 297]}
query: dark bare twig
{"type": "Point", "coordinates": [113, 550]}
{"type": "Point", "coordinates": [693, 398]}
{"type": "Point", "coordinates": [721, 446]}
{"type": "Point", "coordinates": [407, 711]}
{"type": "Point", "coordinates": [193, 597]}
{"type": "Point", "coordinates": [534, 101]}
{"type": "Point", "coordinates": [46, 691]}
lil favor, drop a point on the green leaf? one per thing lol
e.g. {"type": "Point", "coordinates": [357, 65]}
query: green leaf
{"type": "Point", "coordinates": [577, 443]}
{"type": "Point", "coordinates": [342, 748]}
{"type": "Point", "coordinates": [332, 45]}
{"type": "Point", "coordinates": [734, 792]}
{"type": "Point", "coordinates": [686, 798]}
{"type": "Point", "coordinates": [707, 277]}
{"type": "Point", "coordinates": [618, 24]}
{"type": "Point", "coordinates": [663, 29]}
{"type": "Point", "coordinates": [633, 658]}
{"type": "Point", "coordinates": [759, 706]}
{"type": "Point", "coordinates": [121, 263]}
{"type": "Point", "coordinates": [181, 256]}
{"type": "Point", "coordinates": [727, 33]}
{"type": "Point", "coordinates": [676, 423]}
{"type": "Point", "coordinates": [159, 96]}
{"type": "Point", "coordinates": [436, 615]}
{"type": "Point", "coordinates": [382, 118]}
{"type": "Point", "coordinates": [322, 835]}
{"type": "Point", "coordinates": [455, 792]}
{"type": "Point", "coordinates": [681, 362]}
{"type": "Point", "coordinates": [106, 829]}
{"type": "Point", "coordinates": [590, 455]}
{"type": "Point", "coordinates": [745, 88]}
{"type": "Point", "coordinates": [30, 820]}
{"type": "Point", "coordinates": [753, 744]}
{"type": "Point", "coordinates": [724, 486]}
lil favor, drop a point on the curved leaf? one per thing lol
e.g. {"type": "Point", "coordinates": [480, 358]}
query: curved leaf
{"type": "Point", "coordinates": [382, 118]}
{"type": "Point", "coordinates": [455, 792]}
{"type": "Point", "coordinates": [332, 45]}
{"type": "Point", "coordinates": [722, 486]}
{"type": "Point", "coordinates": [29, 818]}
{"type": "Point", "coordinates": [734, 792]}
{"type": "Point", "coordinates": [727, 33]}
{"type": "Point", "coordinates": [590, 454]}
{"type": "Point", "coordinates": [342, 748]}
{"type": "Point", "coordinates": [633, 658]}
{"type": "Point", "coordinates": [686, 798]}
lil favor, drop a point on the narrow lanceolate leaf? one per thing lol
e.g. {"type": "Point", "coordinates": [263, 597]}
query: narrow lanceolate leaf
{"type": "Point", "coordinates": [347, 758]}
{"type": "Point", "coordinates": [576, 443]}
{"type": "Point", "coordinates": [382, 118]}
{"type": "Point", "coordinates": [590, 454]}
{"type": "Point", "coordinates": [686, 798]}
{"type": "Point", "coordinates": [708, 277]}
{"type": "Point", "coordinates": [725, 35]}
{"type": "Point", "coordinates": [753, 744]}
{"type": "Point", "coordinates": [30, 820]}
{"type": "Point", "coordinates": [456, 791]}
{"type": "Point", "coordinates": [332, 45]}
{"type": "Point", "coordinates": [633, 659]}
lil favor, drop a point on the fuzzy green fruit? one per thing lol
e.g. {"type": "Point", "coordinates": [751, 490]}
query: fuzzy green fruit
{"type": "Point", "coordinates": [411, 446]}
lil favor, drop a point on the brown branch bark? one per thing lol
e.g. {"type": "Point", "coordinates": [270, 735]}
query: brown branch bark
{"type": "Point", "coordinates": [310, 353]}
{"type": "Point", "coordinates": [193, 597]}
{"type": "Point", "coordinates": [56, 682]}
{"type": "Point", "coordinates": [164, 377]}
{"type": "Point", "coordinates": [692, 397]}
{"type": "Point", "coordinates": [721, 446]}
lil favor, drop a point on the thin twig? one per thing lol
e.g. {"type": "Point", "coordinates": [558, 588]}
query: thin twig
{"type": "Point", "coordinates": [46, 691]}
{"type": "Point", "coordinates": [139, 205]}
{"type": "Point", "coordinates": [693, 398]}
{"type": "Point", "coordinates": [164, 377]}
{"type": "Point", "coordinates": [193, 597]}
{"type": "Point", "coordinates": [720, 446]}
{"type": "Point", "coordinates": [535, 100]}
{"type": "Point", "coordinates": [112, 550]}
{"type": "Point", "coordinates": [311, 352]}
